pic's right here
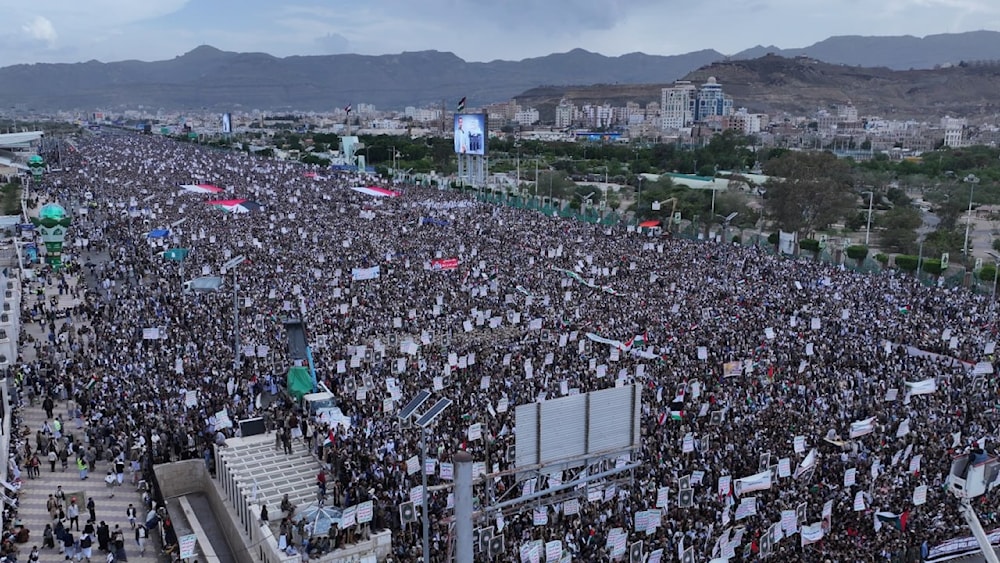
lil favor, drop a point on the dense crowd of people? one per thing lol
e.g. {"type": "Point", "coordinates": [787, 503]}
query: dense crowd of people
{"type": "Point", "coordinates": [818, 348]}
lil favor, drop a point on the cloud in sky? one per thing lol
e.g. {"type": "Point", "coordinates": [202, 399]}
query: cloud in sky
{"type": "Point", "coordinates": [71, 30]}
{"type": "Point", "coordinates": [40, 29]}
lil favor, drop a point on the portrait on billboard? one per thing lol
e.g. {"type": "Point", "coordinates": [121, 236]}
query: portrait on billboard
{"type": "Point", "coordinates": [470, 133]}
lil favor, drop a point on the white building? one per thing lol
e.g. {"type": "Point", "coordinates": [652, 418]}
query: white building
{"type": "Point", "coordinates": [526, 116]}
{"type": "Point", "coordinates": [954, 131]}
{"type": "Point", "coordinates": [565, 113]}
{"type": "Point", "coordinates": [422, 115]}
{"type": "Point", "coordinates": [677, 105]}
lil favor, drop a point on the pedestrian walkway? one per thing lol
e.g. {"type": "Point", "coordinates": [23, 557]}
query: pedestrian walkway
{"type": "Point", "coordinates": [35, 492]}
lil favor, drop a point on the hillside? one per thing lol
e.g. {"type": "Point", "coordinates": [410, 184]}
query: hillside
{"type": "Point", "coordinates": [901, 52]}
{"type": "Point", "coordinates": [774, 84]}
{"type": "Point", "coordinates": [209, 78]}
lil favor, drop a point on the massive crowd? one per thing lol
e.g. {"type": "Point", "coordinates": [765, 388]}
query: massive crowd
{"type": "Point", "coordinates": [818, 347]}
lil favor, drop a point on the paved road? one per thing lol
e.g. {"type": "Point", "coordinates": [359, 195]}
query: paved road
{"type": "Point", "coordinates": [35, 492]}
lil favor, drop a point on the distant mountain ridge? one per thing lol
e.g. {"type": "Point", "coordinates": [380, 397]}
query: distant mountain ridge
{"type": "Point", "coordinates": [901, 52]}
{"type": "Point", "coordinates": [207, 77]}
{"type": "Point", "coordinates": [802, 85]}
{"type": "Point", "coordinates": [210, 78]}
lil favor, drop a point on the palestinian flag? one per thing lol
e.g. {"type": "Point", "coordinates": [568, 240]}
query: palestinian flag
{"type": "Point", "coordinates": [904, 310]}
{"type": "Point", "coordinates": [91, 383]}
{"type": "Point", "coordinates": [676, 415]}
{"type": "Point", "coordinates": [897, 521]}
{"type": "Point", "coordinates": [331, 438]}
{"type": "Point", "coordinates": [637, 340]}
{"type": "Point", "coordinates": [461, 105]}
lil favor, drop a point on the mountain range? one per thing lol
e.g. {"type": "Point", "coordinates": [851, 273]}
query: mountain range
{"type": "Point", "coordinates": [209, 78]}
{"type": "Point", "coordinates": [801, 85]}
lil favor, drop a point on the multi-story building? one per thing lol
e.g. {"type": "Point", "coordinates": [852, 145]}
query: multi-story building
{"type": "Point", "coordinates": [526, 116]}
{"type": "Point", "coordinates": [365, 110]}
{"type": "Point", "coordinates": [746, 122]}
{"type": "Point", "coordinates": [954, 131]}
{"type": "Point", "coordinates": [565, 114]}
{"type": "Point", "coordinates": [422, 115]}
{"type": "Point", "coordinates": [711, 101]}
{"type": "Point", "coordinates": [847, 113]}
{"type": "Point", "coordinates": [677, 105]}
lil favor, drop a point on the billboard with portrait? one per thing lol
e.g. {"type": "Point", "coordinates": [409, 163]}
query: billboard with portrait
{"type": "Point", "coordinates": [227, 123]}
{"type": "Point", "coordinates": [470, 133]}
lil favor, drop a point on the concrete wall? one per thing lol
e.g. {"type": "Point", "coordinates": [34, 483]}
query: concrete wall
{"type": "Point", "coordinates": [191, 476]}
{"type": "Point", "coordinates": [188, 477]}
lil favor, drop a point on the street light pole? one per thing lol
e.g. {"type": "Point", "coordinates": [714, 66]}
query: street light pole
{"type": "Point", "coordinates": [868, 229]}
{"type": "Point", "coordinates": [231, 267]}
{"type": "Point", "coordinates": [426, 516]}
{"type": "Point", "coordinates": [236, 322]}
{"type": "Point", "coordinates": [638, 199]}
{"type": "Point", "coordinates": [920, 258]}
{"type": "Point", "coordinates": [423, 422]}
{"type": "Point", "coordinates": [972, 180]}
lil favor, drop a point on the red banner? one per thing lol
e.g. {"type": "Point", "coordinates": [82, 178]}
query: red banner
{"type": "Point", "coordinates": [444, 264]}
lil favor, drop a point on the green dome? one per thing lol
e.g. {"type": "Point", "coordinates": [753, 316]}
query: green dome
{"type": "Point", "coordinates": [52, 211]}
{"type": "Point", "coordinates": [36, 160]}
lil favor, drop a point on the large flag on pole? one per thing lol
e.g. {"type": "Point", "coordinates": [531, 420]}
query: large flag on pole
{"type": "Point", "coordinates": [347, 108]}
{"type": "Point", "coordinates": [461, 105]}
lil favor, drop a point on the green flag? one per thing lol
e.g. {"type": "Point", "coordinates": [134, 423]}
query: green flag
{"type": "Point", "coordinates": [177, 254]}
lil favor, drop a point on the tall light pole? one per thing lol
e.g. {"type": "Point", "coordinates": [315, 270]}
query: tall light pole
{"type": "Point", "coordinates": [231, 267]}
{"type": "Point", "coordinates": [423, 422]}
{"type": "Point", "coordinates": [972, 180]}
{"type": "Point", "coordinates": [868, 229]}
{"type": "Point", "coordinates": [638, 198]}
{"type": "Point", "coordinates": [996, 266]}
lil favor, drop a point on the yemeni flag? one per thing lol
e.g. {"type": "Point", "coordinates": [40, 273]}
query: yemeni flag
{"type": "Point", "coordinates": [348, 108]}
{"type": "Point", "coordinates": [461, 105]}
{"type": "Point", "coordinates": [676, 415]}
{"type": "Point", "coordinates": [897, 521]}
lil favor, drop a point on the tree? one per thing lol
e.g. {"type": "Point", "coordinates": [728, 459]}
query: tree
{"type": "Point", "coordinates": [811, 245]}
{"type": "Point", "coordinates": [554, 183]}
{"type": "Point", "coordinates": [613, 201]}
{"type": "Point", "coordinates": [907, 263]}
{"type": "Point", "coordinates": [943, 240]}
{"type": "Point", "coordinates": [932, 266]}
{"type": "Point", "coordinates": [857, 252]}
{"type": "Point", "coordinates": [987, 273]}
{"type": "Point", "coordinates": [807, 191]}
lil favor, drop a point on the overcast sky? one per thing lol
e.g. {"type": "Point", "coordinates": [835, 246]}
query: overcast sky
{"type": "Point", "coordinates": [476, 30]}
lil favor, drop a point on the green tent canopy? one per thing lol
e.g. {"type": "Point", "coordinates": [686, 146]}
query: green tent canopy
{"type": "Point", "coordinates": [299, 382]}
